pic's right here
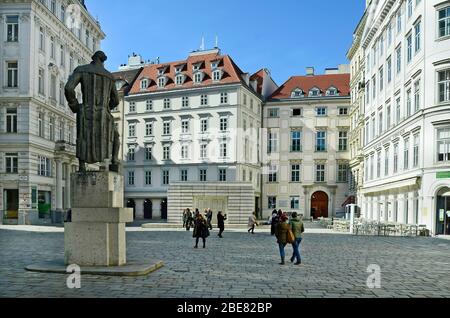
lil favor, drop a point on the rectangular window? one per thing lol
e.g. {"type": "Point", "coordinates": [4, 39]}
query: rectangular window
{"type": "Point", "coordinates": [399, 59]}
{"type": "Point", "coordinates": [381, 79]}
{"type": "Point", "coordinates": [149, 129]}
{"type": "Point", "coordinates": [408, 103]}
{"type": "Point", "coordinates": [295, 172]}
{"type": "Point", "coordinates": [272, 142]}
{"type": "Point", "coordinates": [297, 112]}
{"type": "Point", "coordinates": [166, 128]}
{"type": "Point", "coordinates": [342, 173]}
{"type": "Point", "coordinates": [41, 81]}
{"type": "Point", "coordinates": [184, 175]}
{"type": "Point", "coordinates": [273, 173]}
{"type": "Point", "coordinates": [148, 178]}
{"type": "Point", "coordinates": [12, 28]}
{"type": "Point", "coordinates": [320, 173]}
{"type": "Point", "coordinates": [44, 167]}
{"type": "Point", "coordinates": [416, 151]}
{"type": "Point", "coordinates": [185, 126]}
{"type": "Point", "coordinates": [223, 124]}
{"type": "Point", "coordinates": [374, 87]}
{"type": "Point", "coordinates": [274, 112]}
{"type": "Point", "coordinates": [417, 95]}
{"type": "Point", "coordinates": [395, 158]}
{"type": "Point", "coordinates": [223, 150]}
{"type": "Point", "coordinates": [321, 111]}
{"type": "Point", "coordinates": [11, 120]}
{"type": "Point", "coordinates": [343, 111]}
{"type": "Point", "coordinates": [389, 69]}
{"type": "Point", "coordinates": [131, 130]}
{"type": "Point", "coordinates": [271, 202]}
{"type": "Point", "coordinates": [389, 32]}
{"type": "Point", "coordinates": [166, 179]}
{"type": "Point", "coordinates": [41, 39]}
{"type": "Point", "coordinates": [41, 125]}
{"type": "Point", "coordinates": [224, 98]}
{"type": "Point", "coordinates": [380, 122]}
{"type": "Point", "coordinates": [204, 100]}
{"type": "Point", "coordinates": [53, 87]}
{"type": "Point", "coordinates": [388, 117]}
{"type": "Point", "coordinates": [203, 151]}
{"type": "Point", "coordinates": [149, 105]}
{"type": "Point", "coordinates": [443, 145]}
{"type": "Point", "coordinates": [444, 85]}
{"type": "Point", "coordinates": [52, 47]}
{"type": "Point", "coordinates": [12, 74]}
{"type": "Point", "coordinates": [296, 141]}
{"type": "Point", "coordinates": [202, 175]}
{"type": "Point", "coordinates": [185, 101]}
{"type": "Point", "coordinates": [417, 37]}
{"type": "Point", "coordinates": [321, 141]}
{"type": "Point", "coordinates": [148, 153]}
{"type": "Point", "coordinates": [222, 175]}
{"type": "Point", "coordinates": [295, 203]}
{"type": "Point", "coordinates": [398, 110]}
{"type": "Point", "coordinates": [62, 98]}
{"type": "Point", "coordinates": [444, 22]}
{"type": "Point", "coordinates": [63, 14]}
{"type": "Point", "coordinates": [167, 103]}
{"type": "Point", "coordinates": [371, 167]}
{"type": "Point", "coordinates": [51, 128]}
{"type": "Point", "coordinates": [343, 140]}
{"type": "Point", "coordinates": [204, 125]}
{"type": "Point", "coordinates": [406, 155]}
{"type": "Point", "coordinates": [410, 8]}
{"type": "Point", "coordinates": [409, 48]}
{"type": "Point", "coordinates": [386, 161]}
{"type": "Point", "coordinates": [131, 153]}
{"type": "Point", "coordinates": [379, 164]}
{"type": "Point", "coordinates": [166, 153]}
{"type": "Point", "coordinates": [399, 20]}
{"type": "Point", "coordinates": [184, 152]}
{"type": "Point", "coordinates": [12, 162]}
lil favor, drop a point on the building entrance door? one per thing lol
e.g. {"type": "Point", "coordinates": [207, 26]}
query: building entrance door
{"type": "Point", "coordinates": [164, 209]}
{"type": "Point", "coordinates": [148, 209]}
{"type": "Point", "coordinates": [319, 205]}
{"type": "Point", "coordinates": [443, 212]}
{"type": "Point", "coordinates": [11, 203]}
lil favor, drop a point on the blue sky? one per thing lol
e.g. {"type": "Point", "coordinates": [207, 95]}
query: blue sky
{"type": "Point", "coordinates": [284, 36]}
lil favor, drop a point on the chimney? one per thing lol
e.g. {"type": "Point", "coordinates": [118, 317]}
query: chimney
{"type": "Point", "coordinates": [310, 71]}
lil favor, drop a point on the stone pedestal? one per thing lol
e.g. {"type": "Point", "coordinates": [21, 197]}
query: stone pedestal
{"type": "Point", "coordinates": [96, 235]}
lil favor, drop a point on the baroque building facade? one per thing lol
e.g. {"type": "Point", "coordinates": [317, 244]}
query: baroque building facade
{"type": "Point", "coordinates": [42, 42]}
{"type": "Point", "coordinates": [192, 138]}
{"type": "Point", "coordinates": [406, 116]}
{"type": "Point", "coordinates": [307, 125]}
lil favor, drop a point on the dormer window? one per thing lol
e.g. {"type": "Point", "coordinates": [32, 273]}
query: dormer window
{"type": "Point", "coordinates": [179, 68]}
{"type": "Point", "coordinates": [161, 82]}
{"type": "Point", "coordinates": [214, 65]}
{"type": "Point", "coordinates": [162, 70]}
{"type": "Point", "coordinates": [144, 83]}
{"type": "Point", "coordinates": [196, 67]}
{"type": "Point", "coordinates": [314, 92]}
{"type": "Point", "coordinates": [297, 93]}
{"type": "Point", "coordinates": [332, 91]}
{"type": "Point", "coordinates": [179, 79]}
{"type": "Point", "coordinates": [198, 77]}
{"type": "Point", "coordinates": [217, 75]}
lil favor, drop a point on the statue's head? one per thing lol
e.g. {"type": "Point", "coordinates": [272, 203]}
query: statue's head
{"type": "Point", "coordinates": [99, 56]}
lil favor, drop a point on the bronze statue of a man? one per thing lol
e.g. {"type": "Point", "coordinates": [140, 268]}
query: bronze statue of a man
{"type": "Point", "coordinates": [97, 138]}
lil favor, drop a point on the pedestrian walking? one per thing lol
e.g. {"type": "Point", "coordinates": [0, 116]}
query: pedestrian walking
{"type": "Point", "coordinates": [209, 215]}
{"type": "Point", "coordinates": [281, 231]}
{"type": "Point", "coordinates": [189, 219]}
{"type": "Point", "coordinates": [200, 230]}
{"type": "Point", "coordinates": [252, 223]}
{"type": "Point", "coordinates": [297, 228]}
{"type": "Point", "coordinates": [221, 223]}
{"type": "Point", "coordinates": [274, 222]}
{"type": "Point", "coordinates": [184, 218]}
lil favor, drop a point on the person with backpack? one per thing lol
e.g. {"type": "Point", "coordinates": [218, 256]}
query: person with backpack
{"type": "Point", "coordinates": [273, 222]}
{"type": "Point", "coordinates": [297, 228]}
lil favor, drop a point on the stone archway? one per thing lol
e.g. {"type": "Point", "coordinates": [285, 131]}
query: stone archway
{"type": "Point", "coordinates": [319, 204]}
{"type": "Point", "coordinates": [148, 209]}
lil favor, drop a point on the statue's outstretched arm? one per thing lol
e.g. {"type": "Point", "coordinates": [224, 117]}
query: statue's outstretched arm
{"type": "Point", "coordinates": [69, 91]}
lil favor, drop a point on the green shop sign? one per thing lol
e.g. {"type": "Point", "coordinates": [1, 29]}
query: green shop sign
{"type": "Point", "coordinates": [443, 175]}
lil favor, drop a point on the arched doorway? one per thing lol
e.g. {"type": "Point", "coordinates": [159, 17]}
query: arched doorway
{"type": "Point", "coordinates": [164, 209]}
{"type": "Point", "coordinates": [443, 212]}
{"type": "Point", "coordinates": [132, 205]}
{"type": "Point", "coordinates": [148, 209]}
{"type": "Point", "coordinates": [319, 205]}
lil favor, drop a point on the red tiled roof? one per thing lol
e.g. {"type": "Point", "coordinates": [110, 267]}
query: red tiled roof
{"type": "Point", "coordinates": [232, 74]}
{"type": "Point", "coordinates": [259, 78]}
{"type": "Point", "coordinates": [305, 83]}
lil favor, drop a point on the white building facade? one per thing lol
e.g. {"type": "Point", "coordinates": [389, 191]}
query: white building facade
{"type": "Point", "coordinates": [42, 42]}
{"type": "Point", "coordinates": [192, 139]}
{"type": "Point", "coordinates": [407, 118]}
{"type": "Point", "coordinates": [306, 169]}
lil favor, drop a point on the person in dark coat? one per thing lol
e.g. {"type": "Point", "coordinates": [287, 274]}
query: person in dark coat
{"type": "Point", "coordinates": [274, 222]}
{"type": "Point", "coordinates": [281, 233]}
{"type": "Point", "coordinates": [200, 230]}
{"type": "Point", "coordinates": [221, 223]}
{"type": "Point", "coordinates": [189, 219]}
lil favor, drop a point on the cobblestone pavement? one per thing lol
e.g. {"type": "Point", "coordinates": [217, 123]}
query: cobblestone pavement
{"type": "Point", "coordinates": [239, 265]}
